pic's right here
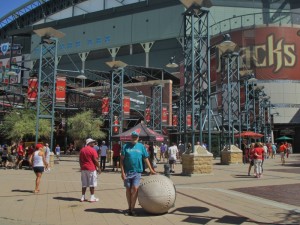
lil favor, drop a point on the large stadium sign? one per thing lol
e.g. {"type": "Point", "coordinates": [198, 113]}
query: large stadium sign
{"type": "Point", "coordinates": [270, 52]}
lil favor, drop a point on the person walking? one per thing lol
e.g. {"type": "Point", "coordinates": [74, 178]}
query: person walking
{"type": "Point", "coordinates": [57, 151]}
{"type": "Point", "coordinates": [173, 154]}
{"type": "Point", "coordinates": [38, 162]}
{"type": "Point", "coordinates": [20, 155]}
{"type": "Point", "coordinates": [47, 156]}
{"type": "Point", "coordinates": [116, 156]}
{"type": "Point", "coordinates": [89, 165]}
{"type": "Point", "coordinates": [103, 154]}
{"type": "Point", "coordinates": [132, 155]}
{"type": "Point", "coordinates": [282, 150]}
{"type": "Point", "coordinates": [258, 159]}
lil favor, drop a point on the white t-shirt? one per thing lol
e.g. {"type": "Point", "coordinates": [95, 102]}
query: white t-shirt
{"type": "Point", "coordinates": [103, 149]}
{"type": "Point", "coordinates": [173, 150]}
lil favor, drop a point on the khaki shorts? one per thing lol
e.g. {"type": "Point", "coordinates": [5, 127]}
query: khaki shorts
{"type": "Point", "coordinates": [89, 178]}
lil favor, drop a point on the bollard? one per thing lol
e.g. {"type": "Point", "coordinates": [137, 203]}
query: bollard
{"type": "Point", "coordinates": [167, 170]}
{"type": "Point", "coordinates": [51, 161]}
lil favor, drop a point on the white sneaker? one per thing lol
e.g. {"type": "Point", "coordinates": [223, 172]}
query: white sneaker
{"type": "Point", "coordinates": [94, 200]}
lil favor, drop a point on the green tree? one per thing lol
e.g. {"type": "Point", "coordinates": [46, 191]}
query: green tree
{"type": "Point", "coordinates": [84, 125]}
{"type": "Point", "coordinates": [18, 124]}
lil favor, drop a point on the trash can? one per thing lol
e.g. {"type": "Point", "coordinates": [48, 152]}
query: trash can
{"type": "Point", "coordinates": [167, 170]}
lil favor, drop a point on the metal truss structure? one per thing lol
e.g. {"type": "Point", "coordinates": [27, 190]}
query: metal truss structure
{"type": "Point", "coordinates": [116, 99]}
{"type": "Point", "coordinates": [196, 93]}
{"type": "Point", "coordinates": [156, 108]}
{"type": "Point", "coordinates": [46, 84]}
{"type": "Point", "coordinates": [230, 85]}
{"type": "Point", "coordinates": [249, 117]}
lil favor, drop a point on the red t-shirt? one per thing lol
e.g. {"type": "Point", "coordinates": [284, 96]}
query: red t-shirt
{"type": "Point", "coordinates": [86, 156]}
{"type": "Point", "coordinates": [116, 150]}
{"type": "Point", "coordinates": [258, 153]}
{"type": "Point", "coordinates": [20, 150]}
{"type": "Point", "coordinates": [282, 148]}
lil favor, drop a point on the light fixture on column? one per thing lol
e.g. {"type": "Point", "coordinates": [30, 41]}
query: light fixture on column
{"type": "Point", "coordinates": [227, 45]}
{"type": "Point", "coordinates": [116, 64]}
{"type": "Point", "coordinates": [172, 63]}
{"type": "Point", "coordinates": [47, 33]}
{"type": "Point", "coordinates": [140, 94]}
{"type": "Point", "coordinates": [203, 3]}
{"type": "Point", "coordinates": [12, 73]}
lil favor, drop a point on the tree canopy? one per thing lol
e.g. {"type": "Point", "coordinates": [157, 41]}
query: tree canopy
{"type": "Point", "coordinates": [85, 125]}
{"type": "Point", "coordinates": [18, 124]}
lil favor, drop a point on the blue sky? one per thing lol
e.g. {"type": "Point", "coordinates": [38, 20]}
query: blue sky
{"type": "Point", "coordinates": [8, 5]}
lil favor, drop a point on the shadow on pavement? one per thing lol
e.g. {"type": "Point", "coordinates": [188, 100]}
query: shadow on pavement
{"type": "Point", "coordinates": [24, 191]}
{"type": "Point", "coordinates": [67, 199]}
{"type": "Point", "coordinates": [242, 176]}
{"type": "Point", "coordinates": [191, 209]}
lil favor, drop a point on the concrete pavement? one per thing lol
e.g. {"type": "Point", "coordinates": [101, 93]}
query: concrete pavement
{"type": "Point", "coordinates": [228, 196]}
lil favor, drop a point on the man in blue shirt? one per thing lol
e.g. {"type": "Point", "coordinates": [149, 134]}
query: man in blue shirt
{"type": "Point", "coordinates": [131, 163]}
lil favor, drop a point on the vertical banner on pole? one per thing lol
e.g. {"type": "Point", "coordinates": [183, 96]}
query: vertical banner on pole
{"type": "Point", "coordinates": [147, 115]}
{"type": "Point", "coordinates": [126, 105]}
{"type": "Point", "coordinates": [164, 116]}
{"type": "Point", "coordinates": [60, 89]}
{"type": "Point", "coordinates": [175, 120]}
{"type": "Point", "coordinates": [116, 125]}
{"type": "Point", "coordinates": [105, 106]}
{"type": "Point", "coordinates": [188, 120]}
{"type": "Point", "coordinates": [32, 89]}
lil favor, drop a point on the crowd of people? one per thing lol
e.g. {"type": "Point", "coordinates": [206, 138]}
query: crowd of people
{"type": "Point", "coordinates": [256, 153]}
{"type": "Point", "coordinates": [132, 160]}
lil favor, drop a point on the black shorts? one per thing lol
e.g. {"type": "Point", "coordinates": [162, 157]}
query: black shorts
{"type": "Point", "coordinates": [38, 169]}
{"type": "Point", "coordinates": [116, 159]}
{"type": "Point", "coordinates": [20, 157]}
{"type": "Point", "coordinates": [4, 158]}
{"type": "Point", "coordinates": [172, 161]}
{"type": "Point", "coordinates": [252, 162]}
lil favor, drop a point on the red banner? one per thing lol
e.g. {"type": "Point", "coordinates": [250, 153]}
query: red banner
{"type": "Point", "coordinates": [126, 105]}
{"type": "Point", "coordinates": [105, 106]}
{"type": "Point", "coordinates": [188, 120]}
{"type": "Point", "coordinates": [175, 120]}
{"type": "Point", "coordinates": [164, 116]}
{"type": "Point", "coordinates": [60, 89]}
{"type": "Point", "coordinates": [32, 91]}
{"type": "Point", "coordinates": [116, 125]}
{"type": "Point", "coordinates": [147, 115]}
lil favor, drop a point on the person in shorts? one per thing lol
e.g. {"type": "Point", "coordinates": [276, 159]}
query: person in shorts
{"type": "Point", "coordinates": [89, 165]}
{"type": "Point", "coordinates": [132, 155]}
{"type": "Point", "coordinates": [38, 162]}
{"type": "Point", "coordinates": [116, 156]}
{"type": "Point", "coordinates": [173, 154]}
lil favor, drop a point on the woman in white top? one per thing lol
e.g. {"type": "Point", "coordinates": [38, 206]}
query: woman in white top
{"type": "Point", "coordinates": [38, 162]}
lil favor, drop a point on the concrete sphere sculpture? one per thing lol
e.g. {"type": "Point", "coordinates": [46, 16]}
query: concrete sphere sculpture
{"type": "Point", "coordinates": [156, 194]}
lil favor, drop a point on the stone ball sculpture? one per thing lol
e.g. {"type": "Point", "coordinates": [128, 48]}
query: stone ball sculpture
{"type": "Point", "coordinates": [156, 194]}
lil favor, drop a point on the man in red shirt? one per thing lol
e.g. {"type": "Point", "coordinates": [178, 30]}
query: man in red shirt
{"type": "Point", "coordinates": [20, 155]}
{"type": "Point", "coordinates": [116, 155]}
{"type": "Point", "coordinates": [89, 166]}
{"type": "Point", "coordinates": [282, 150]}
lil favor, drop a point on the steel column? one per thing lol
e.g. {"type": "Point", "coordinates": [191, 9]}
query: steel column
{"type": "Point", "coordinates": [46, 87]}
{"type": "Point", "coordinates": [196, 73]}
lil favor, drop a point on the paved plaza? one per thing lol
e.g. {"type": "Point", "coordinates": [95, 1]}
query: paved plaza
{"type": "Point", "coordinates": [228, 196]}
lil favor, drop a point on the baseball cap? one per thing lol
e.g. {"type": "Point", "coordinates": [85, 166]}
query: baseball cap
{"type": "Point", "coordinates": [38, 146]}
{"type": "Point", "coordinates": [89, 140]}
{"type": "Point", "coordinates": [135, 134]}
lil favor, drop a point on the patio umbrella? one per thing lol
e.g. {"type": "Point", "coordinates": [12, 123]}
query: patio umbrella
{"type": "Point", "coordinates": [248, 134]}
{"type": "Point", "coordinates": [284, 138]}
{"type": "Point", "coordinates": [145, 134]}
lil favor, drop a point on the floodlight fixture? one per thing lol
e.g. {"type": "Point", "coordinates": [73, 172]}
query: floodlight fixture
{"type": "Point", "coordinates": [202, 3]}
{"type": "Point", "coordinates": [49, 32]}
{"type": "Point", "coordinates": [172, 63]}
{"type": "Point", "coordinates": [252, 80]}
{"type": "Point", "coordinates": [227, 46]}
{"type": "Point", "coordinates": [81, 77]}
{"type": "Point", "coordinates": [116, 64]}
{"type": "Point", "coordinates": [12, 73]}
{"type": "Point", "coordinates": [140, 94]}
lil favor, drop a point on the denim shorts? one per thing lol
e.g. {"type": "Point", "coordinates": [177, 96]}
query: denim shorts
{"type": "Point", "coordinates": [132, 179]}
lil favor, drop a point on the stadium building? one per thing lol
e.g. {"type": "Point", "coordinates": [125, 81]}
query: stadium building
{"type": "Point", "coordinates": [143, 35]}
